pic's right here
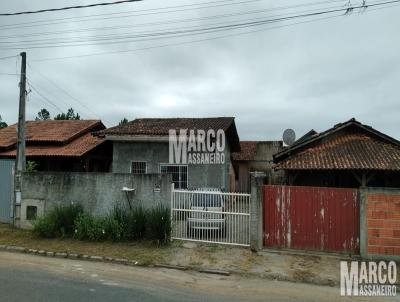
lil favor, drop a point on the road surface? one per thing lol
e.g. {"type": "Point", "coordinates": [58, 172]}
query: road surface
{"type": "Point", "coordinates": [33, 278]}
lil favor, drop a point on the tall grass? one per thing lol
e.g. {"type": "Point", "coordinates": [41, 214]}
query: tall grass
{"type": "Point", "coordinates": [159, 224]}
{"type": "Point", "coordinates": [119, 224]}
{"type": "Point", "coordinates": [58, 222]}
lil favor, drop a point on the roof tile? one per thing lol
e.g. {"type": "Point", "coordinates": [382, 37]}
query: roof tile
{"type": "Point", "coordinates": [349, 151]}
{"type": "Point", "coordinates": [247, 152]}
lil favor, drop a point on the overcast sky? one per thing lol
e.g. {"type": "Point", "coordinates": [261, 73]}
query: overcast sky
{"type": "Point", "coordinates": [310, 75]}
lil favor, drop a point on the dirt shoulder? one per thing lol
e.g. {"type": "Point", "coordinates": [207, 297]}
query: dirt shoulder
{"type": "Point", "coordinates": [316, 269]}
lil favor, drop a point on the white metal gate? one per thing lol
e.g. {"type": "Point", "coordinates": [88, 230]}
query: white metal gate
{"type": "Point", "coordinates": [210, 216]}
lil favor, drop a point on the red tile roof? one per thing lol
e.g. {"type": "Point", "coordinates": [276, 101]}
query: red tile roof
{"type": "Point", "coordinates": [247, 152]}
{"type": "Point", "coordinates": [53, 138]}
{"type": "Point", "coordinates": [161, 127]}
{"type": "Point", "coordinates": [353, 147]}
{"type": "Point", "coordinates": [76, 148]}
{"type": "Point", "coordinates": [48, 131]}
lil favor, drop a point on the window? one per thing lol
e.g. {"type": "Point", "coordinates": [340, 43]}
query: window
{"type": "Point", "coordinates": [138, 167]}
{"type": "Point", "coordinates": [179, 174]}
{"type": "Point", "coordinates": [31, 213]}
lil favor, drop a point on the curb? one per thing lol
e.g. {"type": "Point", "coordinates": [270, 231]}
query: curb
{"type": "Point", "coordinates": [73, 256]}
{"type": "Point", "coordinates": [121, 261]}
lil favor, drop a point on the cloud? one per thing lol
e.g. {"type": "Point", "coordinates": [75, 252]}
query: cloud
{"type": "Point", "coordinates": [305, 76]}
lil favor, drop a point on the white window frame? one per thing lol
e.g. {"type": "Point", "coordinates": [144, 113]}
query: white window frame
{"type": "Point", "coordinates": [176, 165]}
{"type": "Point", "coordinates": [138, 161]}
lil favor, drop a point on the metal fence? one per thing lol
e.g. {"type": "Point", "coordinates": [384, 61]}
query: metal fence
{"type": "Point", "coordinates": [6, 189]}
{"type": "Point", "coordinates": [210, 216]}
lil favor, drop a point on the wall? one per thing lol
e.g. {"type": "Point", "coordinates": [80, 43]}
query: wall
{"type": "Point", "coordinates": [243, 176]}
{"type": "Point", "coordinates": [156, 153]}
{"type": "Point", "coordinates": [97, 192]}
{"type": "Point", "coordinates": [380, 223]}
{"type": "Point", "coordinates": [262, 161]}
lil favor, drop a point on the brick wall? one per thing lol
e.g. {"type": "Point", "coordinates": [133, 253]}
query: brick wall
{"type": "Point", "coordinates": [382, 209]}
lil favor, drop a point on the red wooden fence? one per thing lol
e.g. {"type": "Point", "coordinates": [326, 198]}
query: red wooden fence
{"type": "Point", "coordinates": [312, 218]}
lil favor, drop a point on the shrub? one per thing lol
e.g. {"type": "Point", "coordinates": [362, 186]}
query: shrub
{"type": "Point", "coordinates": [135, 227]}
{"type": "Point", "coordinates": [159, 224]}
{"type": "Point", "coordinates": [88, 227]}
{"type": "Point", "coordinates": [96, 230]}
{"type": "Point", "coordinates": [132, 221]}
{"type": "Point", "coordinates": [113, 228]}
{"type": "Point", "coordinates": [64, 218]}
{"type": "Point", "coordinates": [82, 225]}
{"type": "Point", "coordinates": [44, 227]}
{"type": "Point", "coordinates": [59, 221]}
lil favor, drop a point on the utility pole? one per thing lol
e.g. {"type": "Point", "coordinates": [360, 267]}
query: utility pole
{"type": "Point", "coordinates": [20, 163]}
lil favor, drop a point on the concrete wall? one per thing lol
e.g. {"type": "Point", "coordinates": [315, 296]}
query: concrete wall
{"type": "Point", "coordinates": [380, 223]}
{"type": "Point", "coordinates": [262, 161]}
{"type": "Point", "coordinates": [156, 153]}
{"type": "Point", "coordinates": [97, 192]}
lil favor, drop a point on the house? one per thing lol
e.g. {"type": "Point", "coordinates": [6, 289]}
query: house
{"type": "Point", "coordinates": [255, 156]}
{"type": "Point", "coordinates": [350, 154]}
{"type": "Point", "coordinates": [63, 145]}
{"type": "Point", "coordinates": [143, 146]}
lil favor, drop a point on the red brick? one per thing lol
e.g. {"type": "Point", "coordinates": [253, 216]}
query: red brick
{"type": "Point", "coordinates": [381, 233]}
{"type": "Point", "coordinates": [373, 233]}
{"type": "Point", "coordinates": [389, 251]}
{"type": "Point", "coordinates": [378, 215]}
{"type": "Point", "coordinates": [388, 242]}
{"type": "Point", "coordinates": [374, 250]}
{"type": "Point", "coordinates": [386, 224]}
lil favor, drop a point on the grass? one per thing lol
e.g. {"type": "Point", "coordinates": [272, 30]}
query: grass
{"type": "Point", "coordinates": [146, 253]}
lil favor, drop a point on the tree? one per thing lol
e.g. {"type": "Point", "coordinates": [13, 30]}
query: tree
{"type": "Point", "coordinates": [70, 115]}
{"type": "Point", "coordinates": [2, 124]}
{"type": "Point", "coordinates": [43, 115]}
{"type": "Point", "coordinates": [123, 121]}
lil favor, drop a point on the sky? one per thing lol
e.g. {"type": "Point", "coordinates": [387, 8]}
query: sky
{"type": "Point", "coordinates": [309, 75]}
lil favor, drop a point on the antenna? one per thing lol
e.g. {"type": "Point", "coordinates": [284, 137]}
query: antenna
{"type": "Point", "coordinates": [289, 136]}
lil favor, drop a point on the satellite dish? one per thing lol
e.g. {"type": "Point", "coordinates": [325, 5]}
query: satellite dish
{"type": "Point", "coordinates": [289, 136]}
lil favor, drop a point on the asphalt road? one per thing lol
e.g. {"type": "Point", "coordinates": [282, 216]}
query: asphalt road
{"type": "Point", "coordinates": [33, 278]}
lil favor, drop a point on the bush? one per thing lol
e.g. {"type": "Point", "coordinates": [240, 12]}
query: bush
{"type": "Point", "coordinates": [132, 221]}
{"type": "Point", "coordinates": [88, 227]}
{"type": "Point", "coordinates": [82, 225]}
{"type": "Point", "coordinates": [136, 223]}
{"type": "Point", "coordinates": [44, 227]}
{"type": "Point", "coordinates": [64, 218]}
{"type": "Point", "coordinates": [113, 228]}
{"type": "Point", "coordinates": [159, 224]}
{"type": "Point", "coordinates": [96, 230]}
{"type": "Point", "coordinates": [58, 222]}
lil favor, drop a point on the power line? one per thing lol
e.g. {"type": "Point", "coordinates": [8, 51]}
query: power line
{"type": "Point", "coordinates": [195, 41]}
{"type": "Point", "coordinates": [47, 100]}
{"type": "Point", "coordinates": [204, 30]}
{"type": "Point", "coordinates": [153, 11]}
{"type": "Point", "coordinates": [146, 35]}
{"type": "Point", "coordinates": [173, 21]}
{"type": "Point", "coordinates": [9, 57]}
{"type": "Point", "coordinates": [64, 91]}
{"type": "Point", "coordinates": [68, 8]}
{"type": "Point", "coordinates": [133, 34]}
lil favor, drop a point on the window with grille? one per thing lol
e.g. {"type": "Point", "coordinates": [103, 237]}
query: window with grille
{"type": "Point", "coordinates": [138, 167]}
{"type": "Point", "coordinates": [179, 174]}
